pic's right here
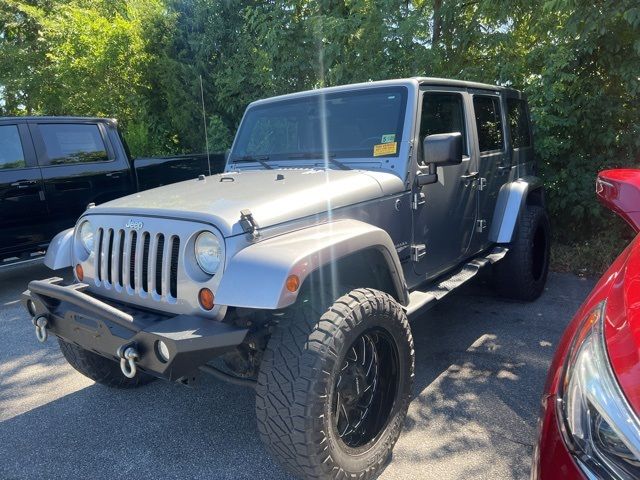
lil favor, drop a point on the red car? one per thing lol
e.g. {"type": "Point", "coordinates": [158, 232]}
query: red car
{"type": "Point", "coordinates": [589, 427]}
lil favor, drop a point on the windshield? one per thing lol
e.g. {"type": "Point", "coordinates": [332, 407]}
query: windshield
{"type": "Point", "coordinates": [359, 123]}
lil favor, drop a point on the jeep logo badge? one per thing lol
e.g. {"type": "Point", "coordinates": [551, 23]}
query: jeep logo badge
{"type": "Point", "coordinates": [134, 225]}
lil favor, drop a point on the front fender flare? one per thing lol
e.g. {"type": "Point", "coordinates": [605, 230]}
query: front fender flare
{"type": "Point", "coordinates": [255, 277]}
{"type": "Point", "coordinates": [59, 252]}
{"type": "Point", "coordinates": [511, 201]}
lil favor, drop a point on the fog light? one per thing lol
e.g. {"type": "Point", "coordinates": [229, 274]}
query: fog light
{"type": "Point", "coordinates": [31, 307]}
{"type": "Point", "coordinates": [79, 272]}
{"type": "Point", "coordinates": [205, 297]}
{"type": "Point", "coordinates": [292, 283]}
{"type": "Point", "coordinates": [162, 351]}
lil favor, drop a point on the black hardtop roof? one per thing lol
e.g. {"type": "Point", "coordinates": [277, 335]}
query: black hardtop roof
{"type": "Point", "coordinates": [427, 81]}
{"type": "Point", "coordinates": [56, 119]}
{"type": "Point", "coordinates": [465, 84]}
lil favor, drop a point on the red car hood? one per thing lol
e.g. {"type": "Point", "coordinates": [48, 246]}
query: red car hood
{"type": "Point", "coordinates": [622, 329]}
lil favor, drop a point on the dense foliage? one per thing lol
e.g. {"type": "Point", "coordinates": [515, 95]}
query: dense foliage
{"type": "Point", "coordinates": [142, 60]}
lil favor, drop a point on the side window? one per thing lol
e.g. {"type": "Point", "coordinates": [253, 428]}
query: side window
{"type": "Point", "coordinates": [11, 153]}
{"type": "Point", "coordinates": [488, 122]}
{"type": "Point", "coordinates": [518, 123]}
{"type": "Point", "coordinates": [69, 143]}
{"type": "Point", "coordinates": [443, 113]}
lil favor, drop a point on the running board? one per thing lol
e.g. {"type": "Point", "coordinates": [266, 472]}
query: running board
{"type": "Point", "coordinates": [420, 300]}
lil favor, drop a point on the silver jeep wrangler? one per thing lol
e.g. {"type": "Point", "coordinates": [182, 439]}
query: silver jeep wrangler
{"type": "Point", "coordinates": [342, 212]}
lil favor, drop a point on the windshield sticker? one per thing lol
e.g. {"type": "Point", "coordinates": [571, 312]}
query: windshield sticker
{"type": "Point", "coordinates": [385, 149]}
{"type": "Point", "coordinates": [391, 137]}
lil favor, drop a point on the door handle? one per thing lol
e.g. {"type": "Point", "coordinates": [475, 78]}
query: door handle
{"type": "Point", "coordinates": [113, 175]}
{"type": "Point", "coordinates": [469, 176]}
{"type": "Point", "coordinates": [24, 183]}
{"type": "Point", "coordinates": [469, 179]}
{"type": "Point", "coordinates": [504, 167]}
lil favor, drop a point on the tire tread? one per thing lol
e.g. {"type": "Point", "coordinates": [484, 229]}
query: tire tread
{"type": "Point", "coordinates": [290, 428]}
{"type": "Point", "coordinates": [512, 276]}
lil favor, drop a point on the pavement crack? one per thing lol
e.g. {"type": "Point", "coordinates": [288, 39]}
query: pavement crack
{"type": "Point", "coordinates": [505, 437]}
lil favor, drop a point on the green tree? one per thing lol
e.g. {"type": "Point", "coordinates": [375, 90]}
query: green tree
{"type": "Point", "coordinates": [77, 57]}
{"type": "Point", "coordinates": [583, 84]}
{"type": "Point", "coordinates": [143, 61]}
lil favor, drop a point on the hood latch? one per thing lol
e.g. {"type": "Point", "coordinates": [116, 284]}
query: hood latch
{"type": "Point", "coordinates": [249, 224]}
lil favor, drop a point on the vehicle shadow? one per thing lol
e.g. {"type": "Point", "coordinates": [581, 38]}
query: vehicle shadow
{"type": "Point", "coordinates": [481, 363]}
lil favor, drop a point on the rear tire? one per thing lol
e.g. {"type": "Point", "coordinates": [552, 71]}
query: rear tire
{"type": "Point", "coordinates": [100, 369]}
{"type": "Point", "coordinates": [522, 274]}
{"type": "Point", "coordinates": [334, 388]}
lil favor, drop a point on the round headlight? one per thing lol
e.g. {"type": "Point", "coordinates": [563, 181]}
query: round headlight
{"type": "Point", "coordinates": [208, 252]}
{"type": "Point", "coordinates": [86, 236]}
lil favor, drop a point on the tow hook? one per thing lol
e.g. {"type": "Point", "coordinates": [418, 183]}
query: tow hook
{"type": "Point", "coordinates": [41, 328]}
{"type": "Point", "coordinates": [128, 358]}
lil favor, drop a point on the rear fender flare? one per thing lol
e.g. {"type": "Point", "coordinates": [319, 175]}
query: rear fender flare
{"type": "Point", "coordinates": [511, 201]}
{"type": "Point", "coordinates": [255, 277]}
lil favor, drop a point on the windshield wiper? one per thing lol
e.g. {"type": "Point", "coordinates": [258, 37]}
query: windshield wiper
{"type": "Point", "coordinates": [261, 159]}
{"type": "Point", "coordinates": [319, 156]}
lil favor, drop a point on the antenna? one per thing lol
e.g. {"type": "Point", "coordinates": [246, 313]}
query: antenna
{"type": "Point", "coordinates": [204, 121]}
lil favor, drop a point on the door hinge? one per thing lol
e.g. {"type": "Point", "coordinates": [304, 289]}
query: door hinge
{"type": "Point", "coordinates": [482, 183]}
{"type": "Point", "coordinates": [417, 200]}
{"type": "Point", "coordinates": [418, 252]}
{"type": "Point", "coordinates": [481, 225]}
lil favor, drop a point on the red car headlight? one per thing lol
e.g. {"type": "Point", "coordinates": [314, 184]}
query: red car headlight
{"type": "Point", "coordinates": [598, 424]}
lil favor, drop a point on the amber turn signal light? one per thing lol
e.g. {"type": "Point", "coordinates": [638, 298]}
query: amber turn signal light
{"type": "Point", "coordinates": [292, 283]}
{"type": "Point", "coordinates": [205, 297]}
{"type": "Point", "coordinates": [79, 272]}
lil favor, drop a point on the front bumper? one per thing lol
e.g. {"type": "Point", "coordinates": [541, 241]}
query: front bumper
{"type": "Point", "coordinates": [104, 327]}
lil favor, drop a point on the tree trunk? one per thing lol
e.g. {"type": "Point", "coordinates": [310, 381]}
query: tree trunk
{"type": "Point", "coordinates": [437, 22]}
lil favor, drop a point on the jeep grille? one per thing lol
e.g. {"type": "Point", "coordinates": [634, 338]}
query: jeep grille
{"type": "Point", "coordinates": [140, 262]}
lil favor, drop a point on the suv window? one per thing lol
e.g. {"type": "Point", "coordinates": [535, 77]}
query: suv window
{"type": "Point", "coordinates": [518, 123]}
{"type": "Point", "coordinates": [349, 124]}
{"type": "Point", "coordinates": [69, 143]}
{"type": "Point", "coordinates": [488, 123]}
{"type": "Point", "coordinates": [443, 113]}
{"type": "Point", "coordinates": [11, 153]}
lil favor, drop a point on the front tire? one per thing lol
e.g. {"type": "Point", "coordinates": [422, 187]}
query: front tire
{"type": "Point", "coordinates": [522, 274]}
{"type": "Point", "coordinates": [334, 387]}
{"type": "Point", "coordinates": [100, 369]}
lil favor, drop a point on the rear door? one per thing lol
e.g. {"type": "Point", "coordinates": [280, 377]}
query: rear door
{"type": "Point", "coordinates": [23, 210]}
{"type": "Point", "coordinates": [520, 137]}
{"type": "Point", "coordinates": [79, 166]}
{"type": "Point", "coordinates": [494, 162]}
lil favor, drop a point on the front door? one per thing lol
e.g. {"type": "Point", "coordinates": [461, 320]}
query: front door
{"type": "Point", "coordinates": [444, 212]}
{"type": "Point", "coordinates": [23, 209]}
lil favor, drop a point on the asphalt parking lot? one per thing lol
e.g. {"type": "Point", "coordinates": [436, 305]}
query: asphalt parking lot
{"type": "Point", "coordinates": [480, 368]}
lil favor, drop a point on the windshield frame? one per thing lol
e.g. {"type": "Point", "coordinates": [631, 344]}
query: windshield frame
{"type": "Point", "coordinates": [397, 163]}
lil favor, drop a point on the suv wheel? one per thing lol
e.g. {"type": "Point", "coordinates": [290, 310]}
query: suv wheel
{"type": "Point", "coordinates": [334, 388]}
{"type": "Point", "coordinates": [522, 274]}
{"type": "Point", "coordinates": [100, 369]}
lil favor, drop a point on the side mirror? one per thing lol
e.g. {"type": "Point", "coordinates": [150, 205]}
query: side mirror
{"type": "Point", "coordinates": [619, 191]}
{"type": "Point", "coordinates": [442, 149]}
